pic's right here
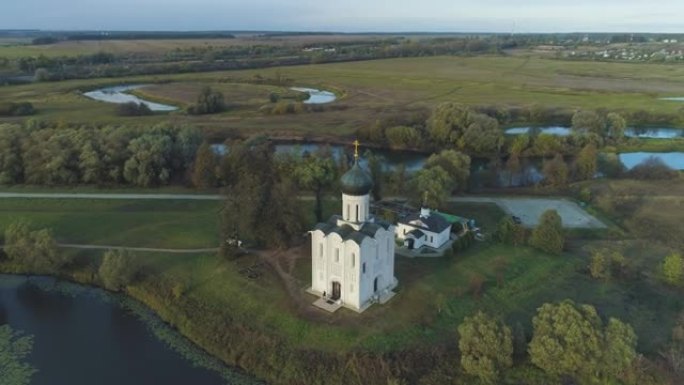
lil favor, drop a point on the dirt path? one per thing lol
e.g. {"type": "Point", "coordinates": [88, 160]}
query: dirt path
{"type": "Point", "coordinates": [145, 249]}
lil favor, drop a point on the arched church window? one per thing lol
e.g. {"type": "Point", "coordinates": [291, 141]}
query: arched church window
{"type": "Point", "coordinates": [320, 250]}
{"type": "Point", "coordinates": [337, 255]}
{"type": "Point", "coordinates": [353, 260]}
{"type": "Point", "coordinates": [364, 268]}
{"type": "Point", "coordinates": [357, 213]}
{"type": "Point", "coordinates": [348, 212]}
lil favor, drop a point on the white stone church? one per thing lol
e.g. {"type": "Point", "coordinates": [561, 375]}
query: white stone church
{"type": "Point", "coordinates": [352, 255]}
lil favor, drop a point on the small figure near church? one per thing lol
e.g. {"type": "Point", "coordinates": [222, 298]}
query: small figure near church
{"type": "Point", "coordinates": [352, 255]}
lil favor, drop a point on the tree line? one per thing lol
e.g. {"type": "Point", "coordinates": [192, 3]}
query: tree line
{"type": "Point", "coordinates": [112, 155]}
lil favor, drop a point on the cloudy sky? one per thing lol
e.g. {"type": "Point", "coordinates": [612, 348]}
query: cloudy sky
{"type": "Point", "coordinates": [348, 15]}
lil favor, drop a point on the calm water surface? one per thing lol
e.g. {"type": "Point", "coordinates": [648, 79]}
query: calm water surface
{"type": "Point", "coordinates": [82, 338]}
{"type": "Point", "coordinates": [118, 95]}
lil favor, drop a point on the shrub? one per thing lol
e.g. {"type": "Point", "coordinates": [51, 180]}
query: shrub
{"type": "Point", "coordinates": [510, 233]}
{"type": "Point", "coordinates": [33, 249]}
{"type": "Point", "coordinates": [17, 109]}
{"type": "Point", "coordinates": [486, 347]}
{"type": "Point", "coordinates": [548, 235]}
{"type": "Point", "coordinates": [118, 269]}
{"type": "Point", "coordinates": [133, 109]}
{"type": "Point", "coordinates": [652, 168]}
{"type": "Point", "coordinates": [673, 269]}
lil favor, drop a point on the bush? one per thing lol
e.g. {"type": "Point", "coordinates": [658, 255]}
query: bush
{"type": "Point", "coordinates": [33, 249]}
{"type": "Point", "coordinates": [510, 233]}
{"type": "Point", "coordinates": [17, 109]}
{"type": "Point", "coordinates": [133, 109]}
{"type": "Point", "coordinates": [118, 269]}
{"type": "Point", "coordinates": [208, 102]}
{"type": "Point", "coordinates": [548, 235]}
{"type": "Point", "coordinates": [652, 168]}
{"type": "Point", "coordinates": [673, 269]}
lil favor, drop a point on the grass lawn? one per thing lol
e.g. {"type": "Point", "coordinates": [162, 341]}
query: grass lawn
{"type": "Point", "coordinates": [162, 224]}
{"type": "Point", "coordinates": [372, 89]}
{"type": "Point", "coordinates": [433, 297]}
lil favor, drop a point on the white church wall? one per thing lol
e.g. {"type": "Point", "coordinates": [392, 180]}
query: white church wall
{"type": "Point", "coordinates": [355, 208]}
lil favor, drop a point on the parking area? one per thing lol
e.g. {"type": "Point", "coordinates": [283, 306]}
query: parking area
{"type": "Point", "coordinates": [529, 210]}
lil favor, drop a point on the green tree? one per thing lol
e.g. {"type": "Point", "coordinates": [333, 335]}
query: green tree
{"type": "Point", "coordinates": [149, 163]}
{"type": "Point", "coordinates": [205, 167]}
{"type": "Point", "coordinates": [33, 249]}
{"type": "Point", "coordinates": [673, 269]}
{"type": "Point", "coordinates": [14, 348]}
{"type": "Point", "coordinates": [620, 348]}
{"type": "Point", "coordinates": [510, 233]}
{"type": "Point", "coordinates": [208, 102]}
{"type": "Point", "coordinates": [11, 164]}
{"type": "Point", "coordinates": [482, 136]}
{"type": "Point", "coordinates": [456, 164]}
{"type": "Point", "coordinates": [375, 163]}
{"type": "Point", "coordinates": [547, 145]}
{"type": "Point", "coordinates": [316, 173]}
{"type": "Point", "coordinates": [589, 121]}
{"type": "Point", "coordinates": [486, 347]}
{"type": "Point", "coordinates": [600, 266]}
{"type": "Point", "coordinates": [586, 164]}
{"type": "Point", "coordinates": [555, 171]}
{"type": "Point", "coordinates": [436, 182]}
{"type": "Point", "coordinates": [616, 126]}
{"type": "Point", "coordinates": [118, 269]}
{"type": "Point", "coordinates": [570, 340]}
{"type": "Point", "coordinates": [548, 235]}
{"type": "Point", "coordinates": [403, 136]}
{"type": "Point", "coordinates": [41, 75]}
{"type": "Point", "coordinates": [447, 123]}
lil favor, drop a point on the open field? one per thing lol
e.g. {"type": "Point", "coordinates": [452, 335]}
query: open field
{"type": "Point", "coordinates": [163, 224]}
{"type": "Point", "coordinates": [376, 89]}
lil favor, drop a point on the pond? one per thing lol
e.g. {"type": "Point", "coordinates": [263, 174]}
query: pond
{"type": "Point", "coordinates": [632, 132]}
{"type": "Point", "coordinates": [316, 96]}
{"type": "Point", "coordinates": [674, 160]}
{"type": "Point", "coordinates": [119, 95]}
{"type": "Point", "coordinates": [85, 336]}
{"type": "Point", "coordinates": [674, 99]}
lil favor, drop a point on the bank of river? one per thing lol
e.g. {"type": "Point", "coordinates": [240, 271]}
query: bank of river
{"type": "Point", "coordinates": [120, 95]}
{"type": "Point", "coordinates": [529, 174]}
{"type": "Point", "coordinates": [84, 335]}
{"type": "Point", "coordinates": [631, 132]}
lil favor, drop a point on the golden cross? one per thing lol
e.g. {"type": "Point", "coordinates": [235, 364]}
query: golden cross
{"type": "Point", "coordinates": [356, 149]}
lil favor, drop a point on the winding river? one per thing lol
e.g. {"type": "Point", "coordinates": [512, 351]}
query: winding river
{"type": "Point", "coordinates": [85, 336]}
{"type": "Point", "coordinates": [120, 95]}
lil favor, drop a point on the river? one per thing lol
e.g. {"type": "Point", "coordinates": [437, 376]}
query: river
{"type": "Point", "coordinates": [85, 336]}
{"type": "Point", "coordinates": [120, 95]}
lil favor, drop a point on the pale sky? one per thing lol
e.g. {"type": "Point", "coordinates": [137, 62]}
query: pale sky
{"type": "Point", "coordinates": [518, 16]}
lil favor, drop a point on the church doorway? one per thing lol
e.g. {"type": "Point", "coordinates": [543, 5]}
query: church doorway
{"type": "Point", "coordinates": [375, 285]}
{"type": "Point", "coordinates": [409, 243]}
{"type": "Point", "coordinates": [336, 289]}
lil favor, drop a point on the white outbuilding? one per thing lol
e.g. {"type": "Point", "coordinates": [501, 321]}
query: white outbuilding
{"type": "Point", "coordinates": [352, 255]}
{"type": "Point", "coordinates": [423, 228]}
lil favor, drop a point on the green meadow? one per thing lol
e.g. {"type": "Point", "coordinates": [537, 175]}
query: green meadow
{"type": "Point", "coordinates": [370, 90]}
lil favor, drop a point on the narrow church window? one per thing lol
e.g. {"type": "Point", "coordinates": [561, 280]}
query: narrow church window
{"type": "Point", "coordinates": [357, 213]}
{"type": "Point", "coordinates": [320, 250]}
{"type": "Point", "coordinates": [337, 255]}
{"type": "Point", "coordinates": [364, 267]}
{"type": "Point", "coordinates": [353, 260]}
{"type": "Point", "coordinates": [348, 209]}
